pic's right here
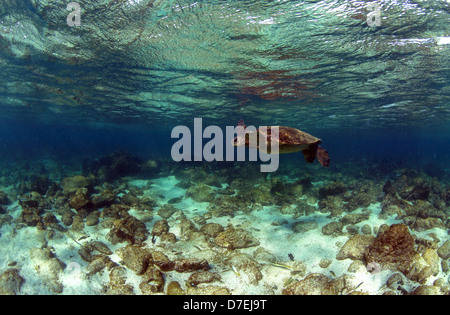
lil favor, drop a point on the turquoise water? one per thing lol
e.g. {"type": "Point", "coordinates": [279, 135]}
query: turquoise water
{"type": "Point", "coordinates": [72, 97]}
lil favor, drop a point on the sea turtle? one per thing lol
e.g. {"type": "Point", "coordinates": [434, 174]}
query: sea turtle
{"type": "Point", "coordinates": [290, 140]}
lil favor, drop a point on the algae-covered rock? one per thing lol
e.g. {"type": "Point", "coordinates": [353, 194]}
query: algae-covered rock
{"type": "Point", "coordinates": [162, 261]}
{"type": "Point", "coordinates": [191, 264]}
{"type": "Point", "coordinates": [135, 258]}
{"type": "Point", "coordinates": [203, 277]}
{"type": "Point", "coordinates": [333, 228]}
{"type": "Point", "coordinates": [11, 282]}
{"type": "Point", "coordinates": [355, 247]}
{"type": "Point", "coordinates": [70, 185]}
{"type": "Point", "coordinates": [200, 193]}
{"type": "Point", "coordinates": [304, 226]}
{"type": "Point", "coordinates": [48, 267]}
{"type": "Point", "coordinates": [117, 283]}
{"type": "Point", "coordinates": [211, 229]}
{"type": "Point", "coordinates": [332, 189]}
{"type": "Point", "coordinates": [235, 238]}
{"type": "Point", "coordinates": [174, 288]}
{"type": "Point", "coordinates": [153, 281]}
{"type": "Point", "coordinates": [81, 200]}
{"type": "Point", "coordinates": [4, 200]}
{"type": "Point", "coordinates": [160, 227]}
{"type": "Point", "coordinates": [393, 248]}
{"type": "Point", "coordinates": [314, 284]}
{"type": "Point", "coordinates": [106, 198]}
{"type": "Point", "coordinates": [128, 229]}
{"type": "Point", "coordinates": [444, 250]}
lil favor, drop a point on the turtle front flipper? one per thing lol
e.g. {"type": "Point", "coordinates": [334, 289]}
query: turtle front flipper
{"type": "Point", "coordinates": [310, 153]}
{"type": "Point", "coordinates": [322, 156]}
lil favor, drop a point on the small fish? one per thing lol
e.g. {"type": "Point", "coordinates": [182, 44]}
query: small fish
{"type": "Point", "coordinates": [281, 266]}
{"type": "Point", "coordinates": [288, 281]}
{"type": "Point", "coordinates": [235, 270]}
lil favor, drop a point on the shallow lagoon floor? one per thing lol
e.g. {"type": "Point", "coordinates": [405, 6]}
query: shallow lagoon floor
{"type": "Point", "coordinates": [205, 230]}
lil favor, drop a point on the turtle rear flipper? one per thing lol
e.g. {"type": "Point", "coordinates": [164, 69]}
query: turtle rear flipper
{"type": "Point", "coordinates": [322, 156]}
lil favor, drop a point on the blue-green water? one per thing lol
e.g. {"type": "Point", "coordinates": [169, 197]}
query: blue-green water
{"type": "Point", "coordinates": [377, 95]}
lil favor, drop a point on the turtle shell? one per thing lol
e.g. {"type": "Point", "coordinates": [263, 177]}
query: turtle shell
{"type": "Point", "coordinates": [290, 136]}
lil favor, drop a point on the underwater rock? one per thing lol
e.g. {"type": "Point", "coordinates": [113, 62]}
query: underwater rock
{"type": "Point", "coordinates": [419, 191]}
{"type": "Point", "coordinates": [149, 168]}
{"type": "Point", "coordinates": [93, 218]}
{"type": "Point", "coordinates": [208, 290]}
{"type": "Point", "coordinates": [153, 281]}
{"type": "Point", "coordinates": [160, 227]}
{"type": "Point", "coordinates": [420, 225]}
{"type": "Point", "coordinates": [359, 200]}
{"type": "Point", "coordinates": [426, 290]}
{"type": "Point", "coordinates": [129, 230]}
{"type": "Point", "coordinates": [444, 250]}
{"type": "Point", "coordinates": [203, 277]}
{"type": "Point", "coordinates": [304, 209]}
{"type": "Point", "coordinates": [356, 266]}
{"type": "Point", "coordinates": [263, 255]}
{"type": "Point", "coordinates": [50, 221]}
{"type": "Point", "coordinates": [191, 265]}
{"type": "Point", "coordinates": [325, 263]}
{"type": "Point", "coordinates": [314, 284]}
{"type": "Point", "coordinates": [115, 211]}
{"type": "Point", "coordinates": [235, 238]}
{"type": "Point", "coordinates": [333, 189]}
{"type": "Point", "coordinates": [393, 248]}
{"type": "Point", "coordinates": [71, 185]}
{"type": "Point", "coordinates": [99, 264]}
{"type": "Point", "coordinates": [162, 261]}
{"type": "Point", "coordinates": [260, 194]}
{"type": "Point", "coordinates": [2, 210]}
{"type": "Point", "coordinates": [319, 284]}
{"type": "Point", "coordinates": [304, 226]}
{"type": "Point", "coordinates": [117, 282]}
{"type": "Point", "coordinates": [86, 251]}
{"type": "Point", "coordinates": [77, 223]}
{"type": "Point", "coordinates": [355, 218]}
{"type": "Point", "coordinates": [211, 229]}
{"type": "Point", "coordinates": [166, 211]}
{"type": "Point", "coordinates": [105, 199]}
{"type": "Point", "coordinates": [113, 167]}
{"type": "Point", "coordinates": [135, 258]}
{"type": "Point", "coordinates": [333, 228]}
{"type": "Point", "coordinates": [48, 267]}
{"type": "Point", "coordinates": [366, 229]}
{"type": "Point", "coordinates": [355, 247]}
{"type": "Point", "coordinates": [11, 282]}
{"type": "Point", "coordinates": [246, 266]}
{"type": "Point", "coordinates": [229, 205]}
{"type": "Point", "coordinates": [4, 200]}
{"type": "Point", "coordinates": [30, 214]}
{"type": "Point", "coordinates": [332, 204]}
{"type": "Point", "coordinates": [200, 193]}
{"type": "Point", "coordinates": [174, 288]}
{"type": "Point", "coordinates": [81, 200]}
{"type": "Point", "coordinates": [40, 184]}
{"type": "Point", "coordinates": [395, 281]}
